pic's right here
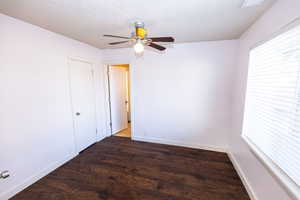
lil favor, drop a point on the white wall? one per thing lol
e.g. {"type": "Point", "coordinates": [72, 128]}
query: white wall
{"type": "Point", "coordinates": [263, 185]}
{"type": "Point", "coordinates": [183, 96]}
{"type": "Point", "coordinates": [36, 133]}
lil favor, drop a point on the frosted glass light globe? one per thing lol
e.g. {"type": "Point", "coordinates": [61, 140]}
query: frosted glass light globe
{"type": "Point", "coordinates": [139, 47]}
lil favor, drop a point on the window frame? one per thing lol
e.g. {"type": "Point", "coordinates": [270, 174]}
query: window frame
{"type": "Point", "coordinates": [280, 176]}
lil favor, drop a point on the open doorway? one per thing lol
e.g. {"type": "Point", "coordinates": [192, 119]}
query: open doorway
{"type": "Point", "coordinates": [119, 100]}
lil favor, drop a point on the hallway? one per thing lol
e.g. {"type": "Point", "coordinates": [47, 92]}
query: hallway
{"type": "Point", "coordinates": [124, 133]}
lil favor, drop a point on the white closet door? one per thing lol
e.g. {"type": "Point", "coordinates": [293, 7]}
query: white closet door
{"type": "Point", "coordinates": [83, 101]}
{"type": "Point", "coordinates": [118, 96]}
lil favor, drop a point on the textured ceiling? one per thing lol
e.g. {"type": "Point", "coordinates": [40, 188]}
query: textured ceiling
{"type": "Point", "coordinates": [185, 20]}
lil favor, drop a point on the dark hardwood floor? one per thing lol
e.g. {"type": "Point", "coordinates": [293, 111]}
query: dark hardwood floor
{"type": "Point", "coordinates": [120, 169]}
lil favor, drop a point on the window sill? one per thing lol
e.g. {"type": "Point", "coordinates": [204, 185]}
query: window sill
{"type": "Point", "coordinates": [282, 178]}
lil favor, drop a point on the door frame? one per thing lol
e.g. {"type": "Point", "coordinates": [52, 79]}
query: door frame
{"type": "Point", "coordinates": [69, 59]}
{"type": "Point", "coordinates": [109, 77]}
{"type": "Point", "coordinates": [131, 96]}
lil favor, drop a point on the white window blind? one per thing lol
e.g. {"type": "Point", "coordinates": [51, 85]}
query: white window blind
{"type": "Point", "coordinates": [272, 110]}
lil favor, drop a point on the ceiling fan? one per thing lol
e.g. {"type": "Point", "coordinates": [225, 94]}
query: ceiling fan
{"type": "Point", "coordinates": [140, 39]}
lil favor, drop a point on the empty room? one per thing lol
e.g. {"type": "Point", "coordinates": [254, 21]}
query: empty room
{"type": "Point", "coordinates": [150, 100]}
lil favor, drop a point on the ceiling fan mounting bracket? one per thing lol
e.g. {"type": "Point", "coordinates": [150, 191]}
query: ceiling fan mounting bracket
{"type": "Point", "coordinates": [139, 24]}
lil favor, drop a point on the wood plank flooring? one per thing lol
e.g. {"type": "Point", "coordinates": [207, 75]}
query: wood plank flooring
{"type": "Point", "coordinates": [120, 169]}
{"type": "Point", "coordinates": [124, 133]}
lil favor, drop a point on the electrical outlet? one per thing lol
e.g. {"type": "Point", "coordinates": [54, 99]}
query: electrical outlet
{"type": "Point", "coordinates": [4, 174]}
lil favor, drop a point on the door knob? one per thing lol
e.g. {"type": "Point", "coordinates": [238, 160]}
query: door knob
{"type": "Point", "coordinates": [78, 113]}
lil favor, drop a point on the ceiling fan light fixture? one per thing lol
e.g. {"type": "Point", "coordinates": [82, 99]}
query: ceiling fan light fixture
{"type": "Point", "coordinates": [139, 47]}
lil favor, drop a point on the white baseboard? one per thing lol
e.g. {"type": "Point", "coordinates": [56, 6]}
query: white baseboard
{"type": "Point", "coordinates": [242, 176]}
{"type": "Point", "coordinates": [118, 130]}
{"type": "Point", "coordinates": [236, 165]}
{"type": "Point", "coordinates": [34, 178]}
{"type": "Point", "coordinates": [176, 143]}
{"type": "Point", "coordinates": [101, 138]}
{"type": "Point", "coordinates": [29, 181]}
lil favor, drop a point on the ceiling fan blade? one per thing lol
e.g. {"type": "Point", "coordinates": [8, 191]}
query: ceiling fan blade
{"type": "Point", "coordinates": [114, 43]}
{"type": "Point", "coordinates": [156, 46]}
{"type": "Point", "coordinates": [115, 36]}
{"type": "Point", "coordinates": [162, 39]}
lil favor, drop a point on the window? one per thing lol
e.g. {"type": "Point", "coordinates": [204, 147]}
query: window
{"type": "Point", "coordinates": [272, 110]}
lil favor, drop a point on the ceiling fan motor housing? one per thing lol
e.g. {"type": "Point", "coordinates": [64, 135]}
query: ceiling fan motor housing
{"type": "Point", "coordinates": [140, 31]}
